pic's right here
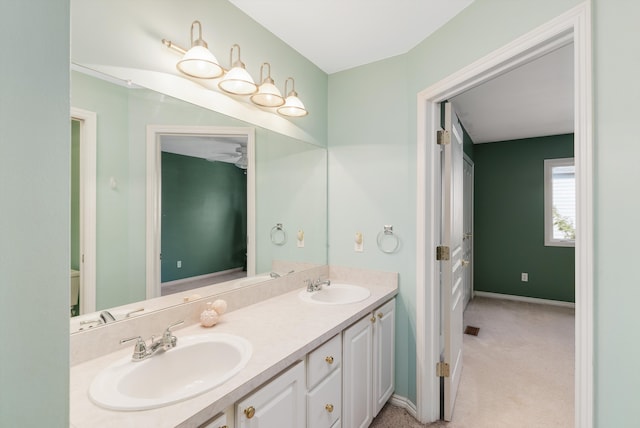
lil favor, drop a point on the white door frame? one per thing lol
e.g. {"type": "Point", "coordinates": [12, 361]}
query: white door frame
{"type": "Point", "coordinates": [88, 155]}
{"type": "Point", "coordinates": [572, 26]}
{"type": "Point", "coordinates": [154, 189]}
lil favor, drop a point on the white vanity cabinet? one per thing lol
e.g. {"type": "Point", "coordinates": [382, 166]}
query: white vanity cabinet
{"type": "Point", "coordinates": [368, 366]}
{"type": "Point", "coordinates": [278, 404]}
{"type": "Point", "coordinates": [324, 384]}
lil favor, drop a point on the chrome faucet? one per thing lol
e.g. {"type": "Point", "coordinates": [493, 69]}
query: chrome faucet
{"type": "Point", "coordinates": [316, 285]}
{"type": "Point", "coordinates": [141, 351]}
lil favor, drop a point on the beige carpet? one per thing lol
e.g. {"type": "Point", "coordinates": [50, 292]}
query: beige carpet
{"type": "Point", "coordinates": [518, 371]}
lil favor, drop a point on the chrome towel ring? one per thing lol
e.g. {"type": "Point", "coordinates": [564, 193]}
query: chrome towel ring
{"type": "Point", "coordinates": [278, 235]}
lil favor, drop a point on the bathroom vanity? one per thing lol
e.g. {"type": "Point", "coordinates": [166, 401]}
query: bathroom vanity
{"type": "Point", "coordinates": [313, 365]}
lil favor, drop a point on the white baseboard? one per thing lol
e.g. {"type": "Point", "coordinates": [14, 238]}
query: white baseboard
{"type": "Point", "coordinates": [524, 299]}
{"type": "Point", "coordinates": [205, 276]}
{"type": "Point", "coordinates": [405, 404]}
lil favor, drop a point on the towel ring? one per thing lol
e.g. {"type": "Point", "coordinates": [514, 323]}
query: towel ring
{"type": "Point", "coordinates": [388, 242]}
{"type": "Point", "coordinates": [278, 234]}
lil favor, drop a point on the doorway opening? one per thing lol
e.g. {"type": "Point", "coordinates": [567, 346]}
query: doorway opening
{"type": "Point", "coordinates": [83, 242]}
{"type": "Point", "coordinates": [573, 26]}
{"type": "Point", "coordinates": [225, 153]}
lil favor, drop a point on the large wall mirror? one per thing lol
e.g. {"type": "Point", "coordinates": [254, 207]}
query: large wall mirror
{"type": "Point", "coordinates": [207, 206]}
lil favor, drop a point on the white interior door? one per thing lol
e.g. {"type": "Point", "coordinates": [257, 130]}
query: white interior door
{"type": "Point", "coordinates": [467, 237]}
{"type": "Point", "coordinates": [451, 276]}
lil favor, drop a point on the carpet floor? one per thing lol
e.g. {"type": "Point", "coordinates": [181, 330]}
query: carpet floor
{"type": "Point", "coordinates": [518, 371]}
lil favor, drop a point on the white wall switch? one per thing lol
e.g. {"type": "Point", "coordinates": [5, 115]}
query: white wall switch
{"type": "Point", "coordinates": [524, 277]}
{"type": "Point", "coordinates": [179, 264]}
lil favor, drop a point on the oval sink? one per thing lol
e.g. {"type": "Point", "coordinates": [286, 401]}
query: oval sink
{"type": "Point", "coordinates": [197, 364]}
{"type": "Point", "coordinates": [336, 294]}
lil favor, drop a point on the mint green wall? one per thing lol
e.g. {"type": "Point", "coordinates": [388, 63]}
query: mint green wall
{"type": "Point", "coordinates": [509, 221]}
{"type": "Point", "coordinates": [75, 194]}
{"type": "Point", "coordinates": [34, 214]}
{"type": "Point", "coordinates": [372, 145]}
{"type": "Point", "coordinates": [204, 216]}
{"type": "Point", "coordinates": [617, 91]}
{"type": "Point", "coordinates": [291, 189]}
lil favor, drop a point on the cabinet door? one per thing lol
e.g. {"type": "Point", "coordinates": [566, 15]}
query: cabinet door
{"type": "Point", "coordinates": [357, 364]}
{"type": "Point", "coordinates": [279, 404]}
{"type": "Point", "coordinates": [383, 355]}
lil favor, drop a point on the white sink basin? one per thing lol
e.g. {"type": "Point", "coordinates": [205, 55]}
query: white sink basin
{"type": "Point", "coordinates": [197, 364]}
{"type": "Point", "coordinates": [336, 294]}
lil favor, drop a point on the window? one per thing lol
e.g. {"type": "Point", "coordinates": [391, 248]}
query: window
{"type": "Point", "coordinates": [559, 202]}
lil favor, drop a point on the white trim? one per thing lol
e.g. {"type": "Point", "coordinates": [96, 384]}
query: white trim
{"type": "Point", "coordinates": [154, 180]}
{"type": "Point", "coordinates": [574, 25]}
{"type": "Point", "coordinates": [403, 403]}
{"type": "Point", "coordinates": [524, 299]}
{"type": "Point", "coordinates": [88, 238]}
{"type": "Point", "coordinates": [549, 240]}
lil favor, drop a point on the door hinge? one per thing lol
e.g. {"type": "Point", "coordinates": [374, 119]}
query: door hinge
{"type": "Point", "coordinates": [442, 369]}
{"type": "Point", "coordinates": [444, 137]}
{"type": "Point", "coordinates": [442, 253]}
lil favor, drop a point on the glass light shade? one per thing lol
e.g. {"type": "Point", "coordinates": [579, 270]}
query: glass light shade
{"type": "Point", "coordinates": [238, 82]}
{"type": "Point", "coordinates": [293, 106]}
{"type": "Point", "coordinates": [201, 63]}
{"type": "Point", "coordinates": [268, 95]}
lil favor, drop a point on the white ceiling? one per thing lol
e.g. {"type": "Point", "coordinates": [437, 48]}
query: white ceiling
{"type": "Point", "coordinates": [534, 100]}
{"type": "Point", "coordinates": [220, 148]}
{"type": "Point", "coordinates": [340, 34]}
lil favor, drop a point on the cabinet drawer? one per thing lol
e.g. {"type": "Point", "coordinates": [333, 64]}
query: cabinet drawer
{"type": "Point", "coordinates": [324, 360]}
{"type": "Point", "coordinates": [324, 402]}
{"type": "Point", "coordinates": [219, 421]}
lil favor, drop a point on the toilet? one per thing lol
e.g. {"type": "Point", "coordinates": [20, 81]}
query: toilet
{"type": "Point", "coordinates": [75, 287]}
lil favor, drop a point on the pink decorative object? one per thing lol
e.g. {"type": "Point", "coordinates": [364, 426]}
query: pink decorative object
{"type": "Point", "coordinates": [220, 306]}
{"type": "Point", "coordinates": [209, 317]}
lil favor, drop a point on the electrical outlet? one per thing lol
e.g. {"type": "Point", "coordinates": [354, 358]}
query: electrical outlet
{"type": "Point", "coordinates": [179, 264]}
{"type": "Point", "coordinates": [524, 277]}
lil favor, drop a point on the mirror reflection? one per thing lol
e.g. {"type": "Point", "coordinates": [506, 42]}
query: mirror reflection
{"type": "Point", "coordinates": [111, 266]}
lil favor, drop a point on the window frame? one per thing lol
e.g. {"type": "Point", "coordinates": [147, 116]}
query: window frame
{"type": "Point", "coordinates": [549, 240]}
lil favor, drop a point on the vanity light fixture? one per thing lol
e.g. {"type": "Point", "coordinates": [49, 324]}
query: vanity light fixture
{"type": "Point", "coordinates": [237, 81]}
{"type": "Point", "coordinates": [268, 94]}
{"type": "Point", "coordinates": [293, 106]}
{"type": "Point", "coordinates": [198, 61]}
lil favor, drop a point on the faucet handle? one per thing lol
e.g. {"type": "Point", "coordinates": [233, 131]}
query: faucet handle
{"type": "Point", "coordinates": [168, 339]}
{"type": "Point", "coordinates": [140, 348]}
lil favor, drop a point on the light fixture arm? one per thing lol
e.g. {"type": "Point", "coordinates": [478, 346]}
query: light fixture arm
{"type": "Point", "coordinates": [293, 87]}
{"type": "Point", "coordinates": [199, 41]}
{"type": "Point", "coordinates": [239, 62]}
{"type": "Point", "coordinates": [267, 79]}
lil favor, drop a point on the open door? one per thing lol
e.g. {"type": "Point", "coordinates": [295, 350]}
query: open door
{"type": "Point", "coordinates": [450, 254]}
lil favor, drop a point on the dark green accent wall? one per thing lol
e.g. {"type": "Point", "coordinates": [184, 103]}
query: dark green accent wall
{"type": "Point", "coordinates": [204, 217]}
{"type": "Point", "coordinates": [509, 221]}
{"type": "Point", "coordinates": [75, 195]}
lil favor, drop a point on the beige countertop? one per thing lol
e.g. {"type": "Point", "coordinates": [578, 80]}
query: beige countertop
{"type": "Point", "coordinates": [282, 330]}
